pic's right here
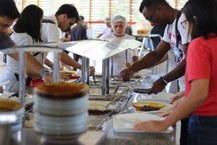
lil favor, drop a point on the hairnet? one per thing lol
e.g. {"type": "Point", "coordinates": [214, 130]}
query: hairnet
{"type": "Point", "coordinates": [119, 18]}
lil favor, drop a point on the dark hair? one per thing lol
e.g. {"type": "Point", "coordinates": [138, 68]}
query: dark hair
{"type": "Point", "coordinates": [81, 17]}
{"type": "Point", "coordinates": [30, 22]}
{"type": "Point", "coordinates": [8, 8]}
{"type": "Point", "coordinates": [150, 3]}
{"type": "Point", "coordinates": [68, 9]}
{"type": "Point", "coordinates": [205, 12]}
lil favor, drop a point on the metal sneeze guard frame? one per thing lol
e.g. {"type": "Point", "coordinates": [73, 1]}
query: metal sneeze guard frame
{"type": "Point", "coordinates": [104, 50]}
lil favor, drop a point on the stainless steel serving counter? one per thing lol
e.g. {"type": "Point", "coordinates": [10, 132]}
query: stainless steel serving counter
{"type": "Point", "coordinates": [88, 138]}
{"type": "Point", "coordinates": [113, 138]}
{"type": "Point", "coordinates": [109, 138]}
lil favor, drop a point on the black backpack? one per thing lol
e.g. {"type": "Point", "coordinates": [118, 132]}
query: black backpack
{"type": "Point", "coordinates": [178, 36]}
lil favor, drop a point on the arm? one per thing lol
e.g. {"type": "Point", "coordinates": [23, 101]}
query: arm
{"type": "Point", "coordinates": [30, 62]}
{"type": "Point", "coordinates": [48, 63]}
{"type": "Point", "coordinates": [65, 58]}
{"type": "Point", "coordinates": [147, 61]}
{"type": "Point", "coordinates": [165, 57]}
{"type": "Point", "coordinates": [67, 39]}
{"type": "Point", "coordinates": [177, 96]}
{"type": "Point", "coordinates": [135, 59]}
{"type": "Point", "coordinates": [151, 58]}
{"type": "Point", "coordinates": [185, 38]}
{"type": "Point", "coordinates": [196, 97]}
{"type": "Point", "coordinates": [37, 70]}
{"type": "Point", "coordinates": [176, 73]}
{"type": "Point", "coordinates": [179, 70]}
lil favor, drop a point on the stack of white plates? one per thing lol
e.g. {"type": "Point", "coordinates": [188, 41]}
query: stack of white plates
{"type": "Point", "coordinates": [12, 113]}
{"type": "Point", "coordinates": [60, 116]}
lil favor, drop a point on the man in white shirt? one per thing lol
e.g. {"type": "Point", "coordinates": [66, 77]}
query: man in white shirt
{"type": "Point", "coordinates": [64, 18]}
{"type": "Point", "coordinates": [160, 13]}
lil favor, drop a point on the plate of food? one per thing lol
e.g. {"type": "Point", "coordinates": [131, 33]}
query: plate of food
{"type": "Point", "coordinates": [99, 107]}
{"type": "Point", "coordinates": [150, 106]}
{"type": "Point", "coordinates": [125, 122]}
{"type": "Point", "coordinates": [71, 74]}
{"type": "Point", "coordinates": [36, 82]}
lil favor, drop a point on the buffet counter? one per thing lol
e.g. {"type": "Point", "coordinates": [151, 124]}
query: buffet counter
{"type": "Point", "coordinates": [109, 138]}
{"type": "Point", "coordinates": [88, 138]}
{"type": "Point", "coordinates": [107, 135]}
{"type": "Point", "coordinates": [101, 127]}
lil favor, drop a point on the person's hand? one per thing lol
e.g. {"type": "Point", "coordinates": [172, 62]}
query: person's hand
{"type": "Point", "coordinates": [151, 126]}
{"type": "Point", "coordinates": [172, 108]}
{"type": "Point", "coordinates": [46, 75]}
{"type": "Point", "coordinates": [48, 78]}
{"type": "Point", "coordinates": [157, 86]}
{"type": "Point", "coordinates": [126, 74]}
{"type": "Point", "coordinates": [177, 96]}
{"type": "Point", "coordinates": [168, 111]}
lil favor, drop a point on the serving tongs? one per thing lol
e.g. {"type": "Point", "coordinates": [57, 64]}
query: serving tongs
{"type": "Point", "coordinates": [117, 97]}
{"type": "Point", "coordinates": [116, 89]}
{"type": "Point", "coordinates": [119, 110]}
{"type": "Point", "coordinates": [141, 90]}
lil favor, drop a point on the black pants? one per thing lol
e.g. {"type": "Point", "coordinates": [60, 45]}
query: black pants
{"type": "Point", "coordinates": [184, 132]}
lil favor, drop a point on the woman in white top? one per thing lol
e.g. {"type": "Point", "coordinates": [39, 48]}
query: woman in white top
{"type": "Point", "coordinates": [125, 58]}
{"type": "Point", "coordinates": [26, 32]}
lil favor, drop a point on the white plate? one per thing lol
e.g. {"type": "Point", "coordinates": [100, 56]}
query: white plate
{"type": "Point", "coordinates": [5, 95]}
{"type": "Point", "coordinates": [125, 122]}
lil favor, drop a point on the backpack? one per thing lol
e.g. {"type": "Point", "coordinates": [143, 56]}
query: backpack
{"type": "Point", "coordinates": [178, 35]}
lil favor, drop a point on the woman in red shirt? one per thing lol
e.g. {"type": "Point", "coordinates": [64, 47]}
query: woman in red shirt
{"type": "Point", "coordinates": [201, 79]}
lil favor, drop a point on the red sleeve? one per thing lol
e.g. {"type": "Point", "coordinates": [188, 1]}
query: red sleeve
{"type": "Point", "coordinates": [198, 60]}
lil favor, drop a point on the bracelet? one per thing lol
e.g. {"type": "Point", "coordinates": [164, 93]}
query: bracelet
{"type": "Point", "coordinates": [164, 80]}
{"type": "Point", "coordinates": [44, 72]}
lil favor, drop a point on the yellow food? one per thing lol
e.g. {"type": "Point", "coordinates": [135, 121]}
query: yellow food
{"type": "Point", "coordinates": [9, 105]}
{"type": "Point", "coordinates": [150, 106]}
{"type": "Point", "coordinates": [62, 90]}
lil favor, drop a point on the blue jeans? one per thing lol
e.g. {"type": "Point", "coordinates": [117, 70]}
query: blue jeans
{"type": "Point", "coordinates": [202, 130]}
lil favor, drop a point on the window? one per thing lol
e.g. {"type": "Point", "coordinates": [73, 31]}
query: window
{"type": "Point", "coordinates": [44, 4]}
{"type": "Point", "coordinates": [95, 11]}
